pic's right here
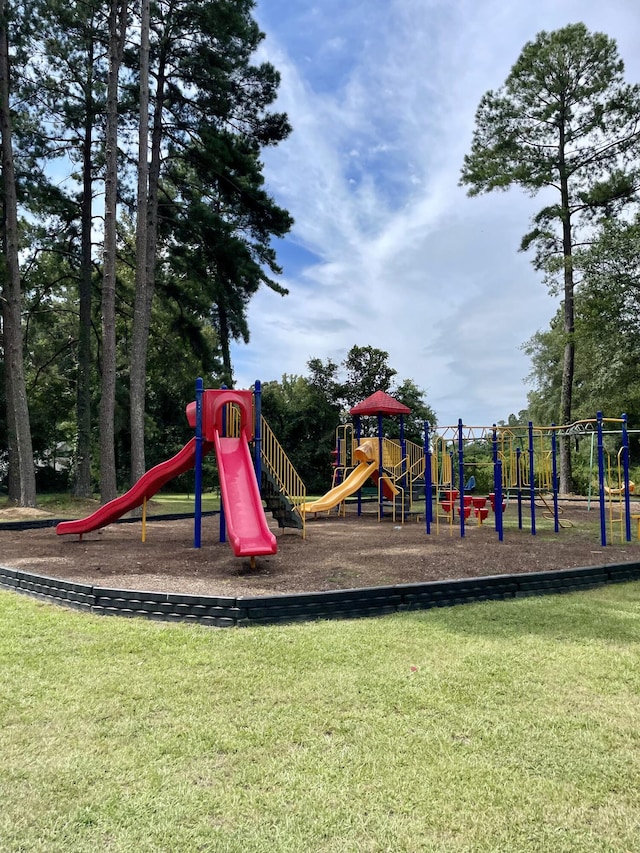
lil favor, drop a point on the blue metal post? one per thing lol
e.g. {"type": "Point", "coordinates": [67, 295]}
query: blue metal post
{"type": "Point", "coordinates": [197, 509]}
{"type": "Point", "coordinates": [603, 518]}
{"type": "Point", "coordinates": [532, 479]}
{"type": "Point", "coordinates": [625, 464]}
{"type": "Point", "coordinates": [380, 464]}
{"type": "Point", "coordinates": [554, 479]}
{"type": "Point", "coordinates": [403, 452]}
{"type": "Point", "coordinates": [519, 486]}
{"type": "Point", "coordinates": [461, 475]}
{"type": "Point", "coordinates": [498, 493]}
{"type": "Point", "coordinates": [428, 505]}
{"type": "Point", "coordinates": [257, 432]}
{"type": "Point", "coordinates": [358, 435]}
{"type": "Point", "coordinates": [223, 520]}
{"type": "Point", "coordinates": [494, 455]}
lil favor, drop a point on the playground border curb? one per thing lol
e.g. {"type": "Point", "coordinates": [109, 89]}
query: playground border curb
{"type": "Point", "coordinates": [228, 612]}
{"type": "Point", "coordinates": [39, 523]}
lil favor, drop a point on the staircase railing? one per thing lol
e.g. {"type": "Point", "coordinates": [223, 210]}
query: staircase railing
{"type": "Point", "coordinates": [280, 467]}
{"type": "Point", "coordinates": [415, 457]}
{"type": "Point", "coordinates": [391, 453]}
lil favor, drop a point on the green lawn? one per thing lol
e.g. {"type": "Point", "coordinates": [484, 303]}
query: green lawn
{"type": "Point", "coordinates": [503, 726]}
{"type": "Point", "coordinates": [62, 505]}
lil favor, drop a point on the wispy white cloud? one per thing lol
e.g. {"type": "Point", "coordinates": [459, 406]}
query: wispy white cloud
{"type": "Point", "coordinates": [382, 97]}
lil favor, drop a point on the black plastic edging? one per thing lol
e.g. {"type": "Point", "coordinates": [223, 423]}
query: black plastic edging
{"type": "Point", "coordinates": [226, 612]}
{"type": "Point", "coordinates": [38, 523]}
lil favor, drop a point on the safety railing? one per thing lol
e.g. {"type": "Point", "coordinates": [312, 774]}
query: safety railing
{"type": "Point", "coordinates": [391, 453]}
{"type": "Point", "coordinates": [281, 468]}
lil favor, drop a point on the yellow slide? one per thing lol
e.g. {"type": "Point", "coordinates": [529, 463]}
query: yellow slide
{"type": "Point", "coordinates": [367, 455]}
{"type": "Point", "coordinates": [357, 478]}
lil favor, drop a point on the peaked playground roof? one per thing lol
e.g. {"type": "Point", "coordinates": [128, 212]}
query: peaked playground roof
{"type": "Point", "coordinates": [380, 403]}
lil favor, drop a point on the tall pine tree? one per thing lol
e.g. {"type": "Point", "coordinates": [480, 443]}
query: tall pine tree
{"type": "Point", "coordinates": [564, 121]}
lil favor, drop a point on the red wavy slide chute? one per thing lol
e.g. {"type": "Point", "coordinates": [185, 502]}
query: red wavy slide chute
{"type": "Point", "coordinates": [247, 527]}
{"type": "Point", "coordinates": [147, 485]}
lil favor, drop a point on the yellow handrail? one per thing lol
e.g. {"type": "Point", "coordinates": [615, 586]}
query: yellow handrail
{"type": "Point", "coordinates": [280, 467]}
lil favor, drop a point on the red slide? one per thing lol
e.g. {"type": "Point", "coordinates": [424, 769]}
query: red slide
{"type": "Point", "coordinates": [247, 529]}
{"type": "Point", "coordinates": [147, 485]}
{"type": "Point", "coordinates": [387, 490]}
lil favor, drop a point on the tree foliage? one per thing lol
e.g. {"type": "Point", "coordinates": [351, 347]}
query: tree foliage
{"type": "Point", "coordinates": [206, 246]}
{"type": "Point", "coordinates": [305, 411]}
{"type": "Point", "coordinates": [607, 334]}
{"type": "Point", "coordinates": [367, 371]}
{"type": "Point", "coordinates": [565, 123]}
{"type": "Point", "coordinates": [305, 421]}
{"type": "Point", "coordinates": [212, 115]}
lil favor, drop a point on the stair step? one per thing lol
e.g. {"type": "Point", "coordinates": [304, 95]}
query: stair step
{"type": "Point", "coordinates": [278, 504]}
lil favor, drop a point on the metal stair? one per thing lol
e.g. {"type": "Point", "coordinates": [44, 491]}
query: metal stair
{"type": "Point", "coordinates": [279, 504]}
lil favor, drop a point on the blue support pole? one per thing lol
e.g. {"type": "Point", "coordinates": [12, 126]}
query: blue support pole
{"type": "Point", "coordinates": [428, 505]}
{"type": "Point", "coordinates": [223, 520]}
{"type": "Point", "coordinates": [603, 518]}
{"type": "Point", "coordinates": [519, 486]}
{"type": "Point", "coordinates": [461, 475]}
{"type": "Point", "coordinates": [257, 432]}
{"type": "Point", "coordinates": [498, 504]}
{"type": "Point", "coordinates": [494, 455]}
{"type": "Point", "coordinates": [532, 479]}
{"type": "Point", "coordinates": [554, 480]}
{"type": "Point", "coordinates": [380, 493]}
{"type": "Point", "coordinates": [403, 452]}
{"type": "Point", "coordinates": [625, 466]}
{"type": "Point", "coordinates": [358, 436]}
{"type": "Point", "coordinates": [197, 508]}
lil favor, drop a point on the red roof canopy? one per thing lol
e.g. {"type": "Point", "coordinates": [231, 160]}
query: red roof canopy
{"type": "Point", "coordinates": [380, 403]}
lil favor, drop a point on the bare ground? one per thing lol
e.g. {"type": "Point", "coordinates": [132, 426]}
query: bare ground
{"type": "Point", "coordinates": [337, 553]}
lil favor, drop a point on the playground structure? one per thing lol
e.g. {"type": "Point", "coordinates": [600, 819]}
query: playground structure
{"type": "Point", "coordinates": [367, 456]}
{"type": "Point", "coordinates": [393, 466]}
{"type": "Point", "coordinates": [440, 481]}
{"type": "Point", "coordinates": [251, 467]}
{"type": "Point", "coordinates": [516, 464]}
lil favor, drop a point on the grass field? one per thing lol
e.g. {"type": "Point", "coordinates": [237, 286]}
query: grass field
{"type": "Point", "coordinates": [506, 726]}
{"type": "Point", "coordinates": [62, 505]}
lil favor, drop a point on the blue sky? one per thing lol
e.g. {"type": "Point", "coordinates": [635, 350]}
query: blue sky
{"type": "Point", "coordinates": [387, 250]}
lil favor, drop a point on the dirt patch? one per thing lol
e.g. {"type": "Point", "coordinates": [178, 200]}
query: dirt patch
{"type": "Point", "coordinates": [22, 513]}
{"type": "Point", "coordinates": [337, 553]}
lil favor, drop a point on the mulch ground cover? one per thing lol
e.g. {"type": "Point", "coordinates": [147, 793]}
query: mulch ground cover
{"type": "Point", "coordinates": [337, 553]}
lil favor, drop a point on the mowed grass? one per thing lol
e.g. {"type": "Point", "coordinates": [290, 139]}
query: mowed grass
{"type": "Point", "coordinates": [507, 726]}
{"type": "Point", "coordinates": [62, 505]}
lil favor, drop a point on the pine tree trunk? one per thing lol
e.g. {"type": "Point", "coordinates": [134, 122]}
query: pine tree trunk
{"type": "Point", "coordinates": [17, 404]}
{"type": "Point", "coordinates": [141, 312]}
{"type": "Point", "coordinates": [82, 487]}
{"type": "Point", "coordinates": [13, 474]}
{"type": "Point", "coordinates": [145, 272]}
{"type": "Point", "coordinates": [154, 175]}
{"type": "Point", "coordinates": [108, 486]}
{"type": "Point", "coordinates": [568, 361]}
{"type": "Point", "coordinates": [225, 344]}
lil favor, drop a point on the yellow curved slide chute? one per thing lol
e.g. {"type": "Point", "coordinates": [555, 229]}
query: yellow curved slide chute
{"type": "Point", "coordinates": [367, 455]}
